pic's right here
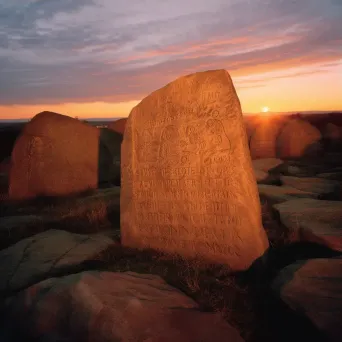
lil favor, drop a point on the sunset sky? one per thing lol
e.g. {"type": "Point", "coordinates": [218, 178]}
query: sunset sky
{"type": "Point", "coordinates": [99, 58]}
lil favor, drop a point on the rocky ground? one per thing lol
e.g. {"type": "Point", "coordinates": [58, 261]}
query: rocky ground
{"type": "Point", "coordinates": [65, 276]}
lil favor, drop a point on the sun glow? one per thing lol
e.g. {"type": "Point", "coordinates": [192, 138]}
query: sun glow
{"type": "Point", "coordinates": [265, 109]}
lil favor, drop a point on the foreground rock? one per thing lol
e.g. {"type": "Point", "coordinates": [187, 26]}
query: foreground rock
{"type": "Point", "coordinates": [110, 307]}
{"type": "Point", "coordinates": [327, 189]}
{"type": "Point", "coordinates": [191, 189]}
{"type": "Point", "coordinates": [298, 138]}
{"type": "Point", "coordinates": [313, 288]}
{"type": "Point", "coordinates": [46, 254]}
{"type": "Point", "coordinates": [279, 194]}
{"type": "Point", "coordinates": [54, 155]}
{"type": "Point", "coordinates": [313, 221]}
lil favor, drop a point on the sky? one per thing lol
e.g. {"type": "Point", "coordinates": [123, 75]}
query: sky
{"type": "Point", "coordinates": [99, 58]}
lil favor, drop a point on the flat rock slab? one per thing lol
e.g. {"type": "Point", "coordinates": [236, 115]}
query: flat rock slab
{"type": "Point", "coordinates": [324, 187]}
{"type": "Point", "coordinates": [313, 220]}
{"type": "Point", "coordinates": [298, 169]}
{"type": "Point", "coordinates": [106, 307]}
{"type": "Point", "coordinates": [46, 254]}
{"type": "Point", "coordinates": [263, 177]}
{"type": "Point", "coordinates": [314, 288]}
{"type": "Point", "coordinates": [279, 194]}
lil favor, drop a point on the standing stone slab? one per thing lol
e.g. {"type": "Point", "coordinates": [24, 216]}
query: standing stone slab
{"type": "Point", "coordinates": [188, 185]}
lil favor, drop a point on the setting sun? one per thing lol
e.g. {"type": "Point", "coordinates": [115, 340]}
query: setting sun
{"type": "Point", "coordinates": [265, 109]}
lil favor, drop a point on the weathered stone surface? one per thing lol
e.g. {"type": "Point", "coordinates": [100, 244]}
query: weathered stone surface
{"type": "Point", "coordinates": [328, 189]}
{"type": "Point", "coordinates": [110, 307]}
{"type": "Point", "coordinates": [313, 288]}
{"type": "Point", "coordinates": [296, 139]}
{"type": "Point", "coordinates": [54, 155]}
{"type": "Point", "coordinates": [43, 255]}
{"type": "Point", "coordinates": [118, 125]}
{"type": "Point", "coordinates": [187, 179]}
{"type": "Point", "coordinates": [263, 139]}
{"type": "Point", "coordinates": [266, 164]}
{"type": "Point", "coordinates": [278, 194]}
{"type": "Point", "coordinates": [313, 220]}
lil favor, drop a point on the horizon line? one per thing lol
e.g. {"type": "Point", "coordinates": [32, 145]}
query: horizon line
{"type": "Point", "coordinates": [250, 113]}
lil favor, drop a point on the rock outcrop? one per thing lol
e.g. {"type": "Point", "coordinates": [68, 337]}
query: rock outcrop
{"type": "Point", "coordinates": [298, 138]}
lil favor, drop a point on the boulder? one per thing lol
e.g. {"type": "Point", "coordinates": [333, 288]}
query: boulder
{"type": "Point", "coordinates": [118, 125]}
{"type": "Point", "coordinates": [263, 139]}
{"type": "Point", "coordinates": [312, 220]}
{"type": "Point", "coordinates": [327, 189]}
{"type": "Point", "coordinates": [45, 255]}
{"type": "Point", "coordinates": [55, 155]}
{"type": "Point", "coordinates": [109, 307]}
{"type": "Point", "coordinates": [297, 139]}
{"type": "Point", "coordinates": [312, 288]}
{"type": "Point", "coordinates": [188, 185]}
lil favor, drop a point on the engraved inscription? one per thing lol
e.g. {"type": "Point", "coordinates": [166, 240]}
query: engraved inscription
{"type": "Point", "coordinates": [188, 184]}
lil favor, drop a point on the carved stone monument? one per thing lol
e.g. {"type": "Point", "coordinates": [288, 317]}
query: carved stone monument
{"type": "Point", "coordinates": [188, 185]}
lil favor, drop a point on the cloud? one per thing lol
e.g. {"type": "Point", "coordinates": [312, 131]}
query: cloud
{"type": "Point", "coordinates": [105, 50]}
